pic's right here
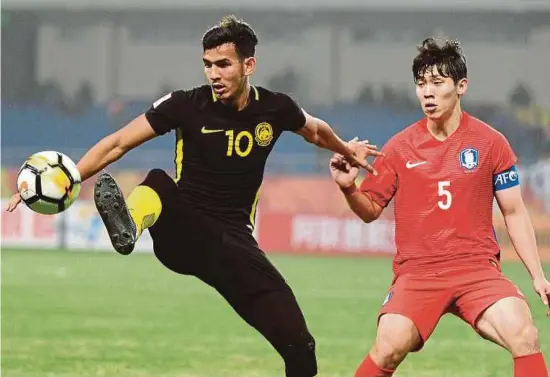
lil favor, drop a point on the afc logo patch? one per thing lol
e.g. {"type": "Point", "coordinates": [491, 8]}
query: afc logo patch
{"type": "Point", "coordinates": [469, 158]}
{"type": "Point", "coordinates": [263, 134]}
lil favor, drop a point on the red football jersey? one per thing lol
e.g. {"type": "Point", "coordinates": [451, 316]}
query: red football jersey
{"type": "Point", "coordinates": [443, 193]}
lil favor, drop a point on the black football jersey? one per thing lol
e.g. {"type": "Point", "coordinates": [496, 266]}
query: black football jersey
{"type": "Point", "coordinates": [220, 152]}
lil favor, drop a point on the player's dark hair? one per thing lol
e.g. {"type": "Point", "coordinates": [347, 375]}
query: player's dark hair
{"type": "Point", "coordinates": [446, 55]}
{"type": "Point", "coordinates": [230, 29]}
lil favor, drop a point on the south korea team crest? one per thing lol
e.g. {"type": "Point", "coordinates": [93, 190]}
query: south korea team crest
{"type": "Point", "coordinates": [264, 134]}
{"type": "Point", "coordinates": [469, 158]}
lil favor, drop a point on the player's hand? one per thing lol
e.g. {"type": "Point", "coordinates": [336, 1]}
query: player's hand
{"type": "Point", "coordinates": [359, 151]}
{"type": "Point", "coordinates": [542, 287]}
{"type": "Point", "coordinates": [14, 202]}
{"type": "Point", "coordinates": [343, 173]}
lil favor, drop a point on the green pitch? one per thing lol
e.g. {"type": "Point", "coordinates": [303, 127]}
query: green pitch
{"type": "Point", "coordinates": [69, 314]}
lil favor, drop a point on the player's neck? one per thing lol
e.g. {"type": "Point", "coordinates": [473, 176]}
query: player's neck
{"type": "Point", "coordinates": [242, 100]}
{"type": "Point", "coordinates": [442, 128]}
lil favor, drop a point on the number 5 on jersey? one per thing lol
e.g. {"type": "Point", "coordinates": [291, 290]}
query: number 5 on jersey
{"type": "Point", "coordinates": [234, 143]}
{"type": "Point", "coordinates": [445, 203]}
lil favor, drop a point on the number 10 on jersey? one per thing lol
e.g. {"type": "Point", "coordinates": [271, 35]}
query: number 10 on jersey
{"type": "Point", "coordinates": [234, 143]}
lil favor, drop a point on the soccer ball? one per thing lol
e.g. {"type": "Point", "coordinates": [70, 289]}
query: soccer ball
{"type": "Point", "coordinates": [48, 182]}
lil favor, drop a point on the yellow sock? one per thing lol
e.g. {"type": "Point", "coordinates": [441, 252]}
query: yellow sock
{"type": "Point", "coordinates": [145, 207]}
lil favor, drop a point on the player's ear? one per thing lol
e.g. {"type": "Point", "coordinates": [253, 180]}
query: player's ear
{"type": "Point", "coordinates": [462, 86]}
{"type": "Point", "coordinates": [249, 65]}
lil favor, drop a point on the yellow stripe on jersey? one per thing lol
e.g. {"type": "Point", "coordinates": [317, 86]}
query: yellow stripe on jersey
{"type": "Point", "coordinates": [178, 160]}
{"type": "Point", "coordinates": [256, 93]}
{"type": "Point", "coordinates": [254, 207]}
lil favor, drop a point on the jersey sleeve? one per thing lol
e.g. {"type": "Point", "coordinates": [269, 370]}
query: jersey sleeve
{"type": "Point", "coordinates": [169, 112]}
{"type": "Point", "coordinates": [293, 116]}
{"type": "Point", "coordinates": [503, 157]}
{"type": "Point", "coordinates": [382, 187]}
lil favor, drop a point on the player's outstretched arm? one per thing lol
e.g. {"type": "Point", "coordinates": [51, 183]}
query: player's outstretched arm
{"type": "Point", "coordinates": [318, 132]}
{"type": "Point", "coordinates": [107, 151]}
{"type": "Point", "coordinates": [114, 146]}
{"type": "Point", "coordinates": [344, 174]}
{"type": "Point", "coordinates": [522, 235]}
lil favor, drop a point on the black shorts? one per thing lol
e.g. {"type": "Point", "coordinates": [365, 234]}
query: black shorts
{"type": "Point", "coordinates": [190, 243]}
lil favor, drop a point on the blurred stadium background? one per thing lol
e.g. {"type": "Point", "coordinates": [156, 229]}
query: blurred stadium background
{"type": "Point", "coordinates": [76, 70]}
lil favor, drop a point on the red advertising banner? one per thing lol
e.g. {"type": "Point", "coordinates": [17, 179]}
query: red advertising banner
{"type": "Point", "coordinates": [321, 234]}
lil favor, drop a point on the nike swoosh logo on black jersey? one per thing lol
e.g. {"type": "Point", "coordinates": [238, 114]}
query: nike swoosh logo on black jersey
{"type": "Point", "coordinates": [204, 130]}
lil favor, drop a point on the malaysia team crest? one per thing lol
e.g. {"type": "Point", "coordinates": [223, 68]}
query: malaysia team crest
{"type": "Point", "coordinates": [264, 134]}
{"type": "Point", "coordinates": [469, 158]}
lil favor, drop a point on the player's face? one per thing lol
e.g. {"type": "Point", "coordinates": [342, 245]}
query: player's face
{"type": "Point", "coordinates": [438, 95]}
{"type": "Point", "coordinates": [226, 71]}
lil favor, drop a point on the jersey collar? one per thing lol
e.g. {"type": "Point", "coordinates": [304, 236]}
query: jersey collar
{"type": "Point", "coordinates": [464, 121]}
{"type": "Point", "coordinates": [254, 94]}
{"type": "Point", "coordinates": [249, 110]}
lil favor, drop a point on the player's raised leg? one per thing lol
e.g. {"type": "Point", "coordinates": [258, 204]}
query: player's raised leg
{"type": "Point", "coordinates": [508, 323]}
{"type": "Point", "coordinates": [125, 220]}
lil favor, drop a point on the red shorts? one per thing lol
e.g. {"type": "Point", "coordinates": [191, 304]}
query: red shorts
{"type": "Point", "coordinates": [466, 293]}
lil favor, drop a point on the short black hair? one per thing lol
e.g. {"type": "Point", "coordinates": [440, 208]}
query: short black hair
{"type": "Point", "coordinates": [230, 29]}
{"type": "Point", "coordinates": [444, 54]}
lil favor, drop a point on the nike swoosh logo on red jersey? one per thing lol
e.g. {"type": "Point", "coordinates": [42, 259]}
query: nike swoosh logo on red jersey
{"type": "Point", "coordinates": [411, 165]}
